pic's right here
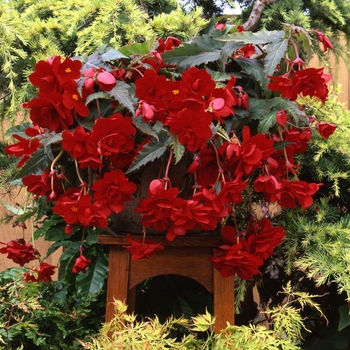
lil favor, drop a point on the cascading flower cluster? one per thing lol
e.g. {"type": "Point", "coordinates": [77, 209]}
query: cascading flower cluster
{"type": "Point", "coordinates": [97, 123]}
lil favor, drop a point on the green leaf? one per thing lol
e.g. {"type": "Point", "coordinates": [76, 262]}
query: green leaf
{"type": "Point", "coordinates": [267, 121]}
{"type": "Point", "coordinates": [152, 151]}
{"type": "Point", "coordinates": [12, 209]}
{"type": "Point", "coordinates": [227, 51]}
{"type": "Point", "coordinates": [275, 52]}
{"type": "Point", "coordinates": [51, 138]}
{"type": "Point", "coordinates": [254, 68]}
{"type": "Point", "coordinates": [201, 50]}
{"type": "Point", "coordinates": [27, 215]}
{"type": "Point", "coordinates": [46, 225]}
{"type": "Point", "coordinates": [280, 103]}
{"type": "Point", "coordinates": [344, 320]}
{"type": "Point", "coordinates": [138, 48]}
{"type": "Point", "coordinates": [93, 281]}
{"type": "Point", "coordinates": [258, 38]}
{"type": "Point", "coordinates": [36, 164]}
{"type": "Point", "coordinates": [18, 130]}
{"type": "Point", "coordinates": [112, 54]}
{"type": "Point", "coordinates": [144, 127]}
{"type": "Point", "coordinates": [121, 92]}
{"type": "Point", "coordinates": [178, 149]}
{"type": "Point", "coordinates": [97, 95]}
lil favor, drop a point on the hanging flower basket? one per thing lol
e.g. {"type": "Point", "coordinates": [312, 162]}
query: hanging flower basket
{"type": "Point", "coordinates": [170, 138]}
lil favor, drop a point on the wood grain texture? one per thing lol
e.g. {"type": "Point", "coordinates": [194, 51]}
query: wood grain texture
{"type": "Point", "coordinates": [189, 257]}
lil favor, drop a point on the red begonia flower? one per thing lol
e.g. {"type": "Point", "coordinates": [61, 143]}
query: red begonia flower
{"type": "Point", "coordinates": [263, 237]}
{"type": "Point", "coordinates": [249, 155]}
{"type": "Point", "coordinates": [281, 118]}
{"type": "Point", "coordinates": [114, 189]}
{"type": "Point", "coordinates": [19, 251]}
{"type": "Point", "coordinates": [246, 51]}
{"type": "Point", "coordinates": [324, 40]}
{"type": "Point", "coordinates": [43, 274]}
{"type": "Point", "coordinates": [48, 111]}
{"type": "Point", "coordinates": [151, 86]}
{"type": "Point", "coordinates": [81, 212]}
{"type": "Point", "coordinates": [311, 82]}
{"type": "Point", "coordinates": [45, 77]}
{"type": "Point", "coordinates": [169, 44]}
{"type": "Point", "coordinates": [283, 84]}
{"type": "Point", "coordinates": [114, 134]}
{"type": "Point", "coordinates": [293, 191]}
{"type": "Point", "coordinates": [236, 260]}
{"type": "Point", "coordinates": [81, 263]}
{"type": "Point", "coordinates": [73, 100]}
{"type": "Point", "coordinates": [192, 128]}
{"type": "Point", "coordinates": [325, 129]}
{"type": "Point", "coordinates": [266, 184]}
{"type": "Point", "coordinates": [157, 210]}
{"type": "Point", "coordinates": [68, 70]}
{"type": "Point", "coordinates": [197, 83]}
{"type": "Point", "coordinates": [81, 146]}
{"type": "Point", "coordinates": [220, 103]}
{"type": "Point", "coordinates": [106, 81]}
{"type": "Point", "coordinates": [40, 185]}
{"type": "Point", "coordinates": [24, 148]}
{"type": "Point", "coordinates": [231, 191]}
{"type": "Point", "coordinates": [140, 249]}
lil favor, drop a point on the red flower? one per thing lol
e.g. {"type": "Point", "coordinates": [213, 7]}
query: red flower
{"type": "Point", "coordinates": [73, 100]}
{"type": "Point", "coordinates": [263, 237]}
{"type": "Point", "coordinates": [68, 70]}
{"type": "Point", "coordinates": [114, 189]}
{"type": "Point", "coordinates": [80, 212]}
{"type": "Point", "coordinates": [311, 82]}
{"type": "Point", "coordinates": [81, 263]}
{"type": "Point", "coordinates": [169, 44]}
{"type": "Point", "coordinates": [19, 251]}
{"type": "Point", "coordinates": [220, 103]}
{"type": "Point", "coordinates": [48, 111]}
{"type": "Point", "coordinates": [283, 84]}
{"type": "Point", "coordinates": [267, 184]}
{"type": "Point", "coordinates": [43, 274]}
{"type": "Point", "coordinates": [40, 185]}
{"type": "Point", "coordinates": [300, 191]}
{"type": "Point", "coordinates": [197, 83]}
{"type": "Point", "coordinates": [231, 191]}
{"type": "Point", "coordinates": [25, 148]}
{"type": "Point", "coordinates": [114, 135]}
{"type": "Point", "coordinates": [151, 86]}
{"type": "Point", "coordinates": [140, 249]}
{"type": "Point", "coordinates": [236, 260]}
{"type": "Point", "coordinates": [81, 146]}
{"type": "Point", "coordinates": [45, 77]}
{"type": "Point", "coordinates": [106, 81]}
{"type": "Point", "coordinates": [281, 118]}
{"type": "Point", "coordinates": [325, 129]}
{"type": "Point", "coordinates": [220, 26]}
{"type": "Point", "coordinates": [249, 155]}
{"type": "Point", "coordinates": [157, 210]}
{"type": "Point", "coordinates": [192, 128]}
{"type": "Point", "coordinates": [324, 40]}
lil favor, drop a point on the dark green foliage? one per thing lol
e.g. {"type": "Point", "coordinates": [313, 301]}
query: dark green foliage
{"type": "Point", "coordinates": [45, 316]}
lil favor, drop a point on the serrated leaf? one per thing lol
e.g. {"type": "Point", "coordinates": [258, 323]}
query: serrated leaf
{"type": "Point", "coordinates": [144, 127]}
{"type": "Point", "coordinates": [227, 51]}
{"type": "Point", "coordinates": [36, 164]}
{"type": "Point", "coordinates": [258, 107]}
{"type": "Point", "coordinates": [267, 121]}
{"type": "Point", "coordinates": [121, 92]}
{"type": "Point", "coordinates": [12, 209]}
{"type": "Point", "coordinates": [93, 281]}
{"type": "Point", "coordinates": [178, 149]}
{"type": "Point", "coordinates": [253, 67]}
{"type": "Point", "coordinates": [112, 54]}
{"type": "Point", "coordinates": [50, 139]}
{"type": "Point", "coordinates": [152, 151]}
{"type": "Point", "coordinates": [258, 38]}
{"type": "Point", "coordinates": [280, 103]}
{"type": "Point", "coordinates": [97, 95]}
{"type": "Point", "coordinates": [207, 43]}
{"type": "Point", "coordinates": [18, 130]}
{"type": "Point", "coordinates": [189, 55]}
{"type": "Point", "coordinates": [274, 53]}
{"type": "Point", "coordinates": [138, 48]}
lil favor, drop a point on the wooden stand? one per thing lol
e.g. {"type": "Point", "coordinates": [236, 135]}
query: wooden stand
{"type": "Point", "coordinates": [185, 256]}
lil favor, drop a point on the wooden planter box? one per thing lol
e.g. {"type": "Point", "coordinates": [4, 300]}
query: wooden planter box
{"type": "Point", "coordinates": [185, 256]}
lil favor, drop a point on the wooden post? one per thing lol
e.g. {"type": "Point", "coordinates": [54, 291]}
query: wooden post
{"type": "Point", "coordinates": [186, 256]}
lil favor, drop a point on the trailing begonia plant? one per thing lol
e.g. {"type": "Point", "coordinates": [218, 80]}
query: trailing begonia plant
{"type": "Point", "coordinates": [192, 137]}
